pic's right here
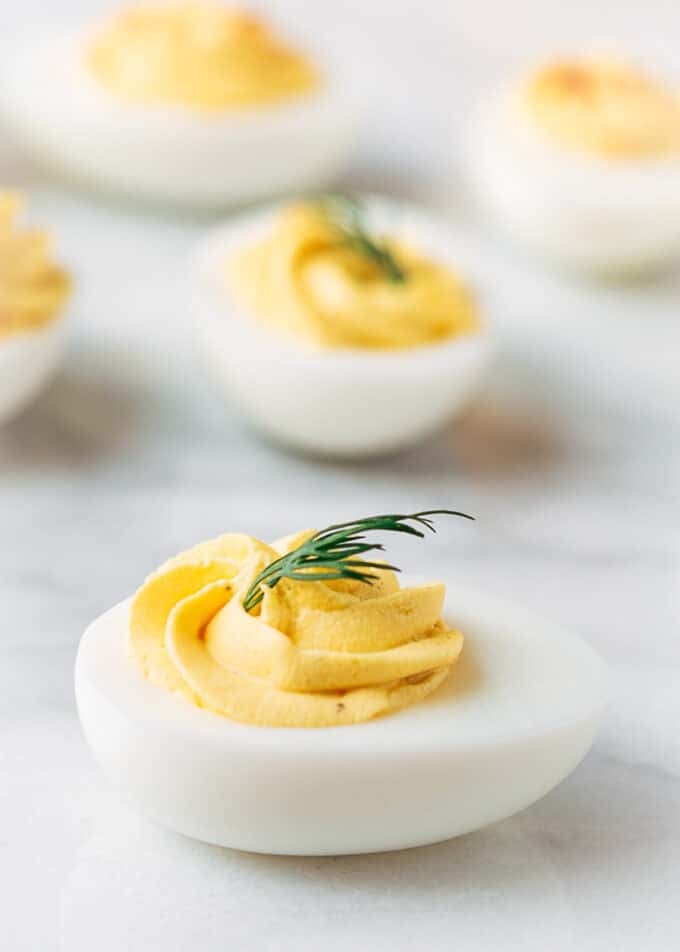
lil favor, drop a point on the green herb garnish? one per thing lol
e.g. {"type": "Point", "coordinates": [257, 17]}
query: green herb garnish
{"type": "Point", "coordinates": [346, 215]}
{"type": "Point", "coordinates": [336, 552]}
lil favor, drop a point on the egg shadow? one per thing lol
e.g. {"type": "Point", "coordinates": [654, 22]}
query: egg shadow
{"type": "Point", "coordinates": [85, 413]}
{"type": "Point", "coordinates": [493, 441]}
{"type": "Point", "coordinates": [136, 886]}
{"type": "Point", "coordinates": [16, 167]}
{"type": "Point", "coordinates": [607, 819]}
{"type": "Point", "coordinates": [498, 440]}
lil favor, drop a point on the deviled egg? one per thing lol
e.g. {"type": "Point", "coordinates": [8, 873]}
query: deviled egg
{"type": "Point", "coordinates": [294, 698]}
{"type": "Point", "coordinates": [580, 159]}
{"type": "Point", "coordinates": [182, 101]}
{"type": "Point", "coordinates": [33, 292]}
{"type": "Point", "coordinates": [340, 328]}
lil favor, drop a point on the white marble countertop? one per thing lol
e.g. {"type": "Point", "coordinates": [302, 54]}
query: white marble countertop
{"type": "Point", "coordinates": [571, 460]}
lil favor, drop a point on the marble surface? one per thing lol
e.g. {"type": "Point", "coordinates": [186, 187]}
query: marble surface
{"type": "Point", "coordinates": [571, 461]}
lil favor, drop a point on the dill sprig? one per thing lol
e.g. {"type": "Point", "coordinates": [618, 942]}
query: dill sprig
{"type": "Point", "coordinates": [337, 552]}
{"type": "Point", "coordinates": [347, 217]}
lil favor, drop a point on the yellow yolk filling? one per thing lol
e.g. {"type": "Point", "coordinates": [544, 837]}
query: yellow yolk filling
{"type": "Point", "coordinates": [605, 108]}
{"type": "Point", "coordinates": [33, 289]}
{"type": "Point", "coordinates": [313, 654]}
{"type": "Point", "coordinates": [302, 281]}
{"type": "Point", "coordinates": [196, 54]}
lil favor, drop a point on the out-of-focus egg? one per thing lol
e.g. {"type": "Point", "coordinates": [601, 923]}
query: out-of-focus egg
{"type": "Point", "coordinates": [581, 162]}
{"type": "Point", "coordinates": [515, 716]}
{"type": "Point", "coordinates": [33, 291]}
{"type": "Point", "coordinates": [180, 103]}
{"type": "Point", "coordinates": [27, 364]}
{"type": "Point", "coordinates": [342, 400]}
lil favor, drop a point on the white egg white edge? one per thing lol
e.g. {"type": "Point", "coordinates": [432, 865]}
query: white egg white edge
{"type": "Point", "coordinates": [104, 665]}
{"type": "Point", "coordinates": [28, 361]}
{"type": "Point", "coordinates": [429, 233]}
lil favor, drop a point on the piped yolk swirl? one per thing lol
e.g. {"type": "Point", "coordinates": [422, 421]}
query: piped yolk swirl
{"type": "Point", "coordinates": [302, 281]}
{"type": "Point", "coordinates": [33, 289]}
{"type": "Point", "coordinates": [313, 654]}
{"type": "Point", "coordinates": [196, 53]}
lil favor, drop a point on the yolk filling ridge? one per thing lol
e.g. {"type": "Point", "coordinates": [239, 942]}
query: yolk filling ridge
{"type": "Point", "coordinates": [196, 53]}
{"type": "Point", "coordinates": [314, 654]}
{"type": "Point", "coordinates": [303, 281]}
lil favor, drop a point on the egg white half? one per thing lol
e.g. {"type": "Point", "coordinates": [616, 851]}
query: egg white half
{"type": "Point", "coordinates": [587, 213]}
{"type": "Point", "coordinates": [169, 153]}
{"type": "Point", "coordinates": [28, 361]}
{"type": "Point", "coordinates": [514, 717]}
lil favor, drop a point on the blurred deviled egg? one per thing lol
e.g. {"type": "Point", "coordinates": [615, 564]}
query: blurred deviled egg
{"type": "Point", "coordinates": [186, 102]}
{"type": "Point", "coordinates": [580, 160]}
{"type": "Point", "coordinates": [33, 292]}
{"type": "Point", "coordinates": [340, 328]}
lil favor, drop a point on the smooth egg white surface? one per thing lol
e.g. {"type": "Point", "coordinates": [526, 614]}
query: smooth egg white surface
{"type": "Point", "coordinates": [167, 153]}
{"type": "Point", "coordinates": [337, 402]}
{"type": "Point", "coordinates": [515, 716]}
{"type": "Point", "coordinates": [587, 213]}
{"type": "Point", "coordinates": [28, 361]}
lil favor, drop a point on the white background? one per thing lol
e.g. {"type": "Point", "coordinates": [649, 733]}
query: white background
{"type": "Point", "coordinates": [571, 460]}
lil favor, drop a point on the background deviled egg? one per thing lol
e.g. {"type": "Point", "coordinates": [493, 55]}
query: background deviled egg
{"type": "Point", "coordinates": [33, 291]}
{"type": "Point", "coordinates": [319, 346]}
{"type": "Point", "coordinates": [183, 101]}
{"type": "Point", "coordinates": [580, 160]}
